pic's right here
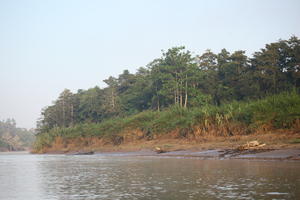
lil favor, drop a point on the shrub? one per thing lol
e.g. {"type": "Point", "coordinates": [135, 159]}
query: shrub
{"type": "Point", "coordinates": [279, 111]}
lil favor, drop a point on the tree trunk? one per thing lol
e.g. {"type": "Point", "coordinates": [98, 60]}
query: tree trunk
{"type": "Point", "coordinates": [181, 95]}
{"type": "Point", "coordinates": [63, 108]}
{"type": "Point", "coordinates": [177, 99]}
{"type": "Point", "coordinates": [186, 94]}
{"type": "Point", "coordinates": [157, 96]}
{"type": "Point", "coordinates": [112, 98]}
{"type": "Point", "coordinates": [72, 115]}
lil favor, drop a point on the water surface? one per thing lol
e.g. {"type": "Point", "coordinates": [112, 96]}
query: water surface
{"type": "Point", "coordinates": [38, 177]}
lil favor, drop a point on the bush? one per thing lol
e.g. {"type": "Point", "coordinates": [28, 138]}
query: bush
{"type": "Point", "coordinates": [279, 111]}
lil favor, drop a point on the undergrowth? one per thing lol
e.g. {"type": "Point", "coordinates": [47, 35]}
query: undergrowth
{"type": "Point", "coordinates": [278, 111]}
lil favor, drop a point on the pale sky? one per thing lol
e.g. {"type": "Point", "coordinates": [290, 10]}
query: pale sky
{"type": "Point", "coordinates": [49, 45]}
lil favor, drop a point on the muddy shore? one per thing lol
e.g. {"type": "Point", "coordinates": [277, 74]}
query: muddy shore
{"type": "Point", "coordinates": [276, 146]}
{"type": "Point", "coordinates": [255, 154]}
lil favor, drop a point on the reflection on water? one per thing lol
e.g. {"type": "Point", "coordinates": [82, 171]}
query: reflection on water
{"type": "Point", "coordinates": [103, 177]}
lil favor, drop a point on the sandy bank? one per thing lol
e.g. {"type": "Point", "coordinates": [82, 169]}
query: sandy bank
{"type": "Point", "coordinates": [256, 154]}
{"type": "Point", "coordinates": [277, 146]}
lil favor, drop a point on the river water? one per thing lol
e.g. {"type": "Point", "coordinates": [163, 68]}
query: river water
{"type": "Point", "coordinates": [43, 177]}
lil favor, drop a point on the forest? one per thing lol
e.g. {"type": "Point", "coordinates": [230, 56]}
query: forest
{"type": "Point", "coordinates": [179, 91]}
{"type": "Point", "coordinates": [13, 138]}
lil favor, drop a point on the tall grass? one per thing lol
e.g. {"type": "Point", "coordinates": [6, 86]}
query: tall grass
{"type": "Point", "coordinates": [277, 111]}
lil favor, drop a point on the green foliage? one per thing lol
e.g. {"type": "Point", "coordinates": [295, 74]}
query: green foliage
{"type": "Point", "coordinates": [280, 111]}
{"type": "Point", "coordinates": [295, 141]}
{"type": "Point", "coordinates": [206, 89]}
{"type": "Point", "coordinates": [13, 138]}
{"type": "Point", "coordinates": [3, 144]}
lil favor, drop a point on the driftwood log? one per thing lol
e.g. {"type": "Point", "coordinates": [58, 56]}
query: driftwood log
{"type": "Point", "coordinates": [159, 150]}
{"type": "Point", "coordinates": [83, 153]}
{"type": "Point", "coordinates": [251, 145]}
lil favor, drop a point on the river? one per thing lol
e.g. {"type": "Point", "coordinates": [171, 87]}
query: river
{"type": "Point", "coordinates": [83, 177]}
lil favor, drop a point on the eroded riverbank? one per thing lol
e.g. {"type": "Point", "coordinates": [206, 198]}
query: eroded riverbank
{"type": "Point", "coordinates": [275, 146]}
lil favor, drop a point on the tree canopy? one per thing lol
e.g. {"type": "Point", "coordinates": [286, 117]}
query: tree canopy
{"type": "Point", "coordinates": [179, 78]}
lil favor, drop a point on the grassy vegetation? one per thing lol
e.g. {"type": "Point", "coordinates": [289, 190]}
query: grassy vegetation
{"type": "Point", "coordinates": [280, 111]}
{"type": "Point", "coordinates": [3, 144]}
{"type": "Point", "coordinates": [295, 141]}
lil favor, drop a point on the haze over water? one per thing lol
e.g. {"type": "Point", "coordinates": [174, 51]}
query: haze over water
{"type": "Point", "coordinates": [45, 177]}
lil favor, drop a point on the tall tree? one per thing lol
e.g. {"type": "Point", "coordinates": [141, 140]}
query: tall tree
{"type": "Point", "coordinates": [171, 76]}
{"type": "Point", "coordinates": [111, 96]}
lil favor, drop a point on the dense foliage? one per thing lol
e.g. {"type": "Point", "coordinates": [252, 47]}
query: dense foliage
{"type": "Point", "coordinates": [180, 80]}
{"type": "Point", "coordinates": [279, 111]}
{"type": "Point", "coordinates": [13, 138]}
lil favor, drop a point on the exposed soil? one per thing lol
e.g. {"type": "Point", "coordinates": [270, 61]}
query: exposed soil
{"type": "Point", "coordinates": [278, 146]}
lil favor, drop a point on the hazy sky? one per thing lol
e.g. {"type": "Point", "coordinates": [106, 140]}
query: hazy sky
{"type": "Point", "coordinates": [48, 45]}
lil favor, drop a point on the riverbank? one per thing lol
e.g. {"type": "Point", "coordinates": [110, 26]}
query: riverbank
{"type": "Point", "coordinates": [277, 146]}
{"type": "Point", "coordinates": [273, 120]}
{"type": "Point", "coordinates": [220, 154]}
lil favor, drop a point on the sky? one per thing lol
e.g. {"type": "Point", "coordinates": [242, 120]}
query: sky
{"type": "Point", "coordinates": [47, 46]}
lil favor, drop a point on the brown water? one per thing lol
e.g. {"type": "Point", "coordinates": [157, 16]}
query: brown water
{"type": "Point", "coordinates": [38, 177]}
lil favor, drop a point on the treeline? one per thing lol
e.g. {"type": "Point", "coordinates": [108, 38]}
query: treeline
{"type": "Point", "coordinates": [182, 80]}
{"type": "Point", "coordinates": [13, 138]}
{"type": "Point", "coordinates": [276, 114]}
